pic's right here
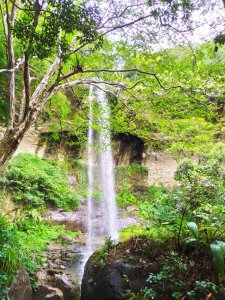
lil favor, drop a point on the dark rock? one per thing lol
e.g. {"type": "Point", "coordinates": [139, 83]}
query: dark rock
{"type": "Point", "coordinates": [110, 281]}
{"type": "Point", "coordinates": [46, 292]}
{"type": "Point", "coordinates": [68, 284]}
{"type": "Point", "coordinates": [21, 287]}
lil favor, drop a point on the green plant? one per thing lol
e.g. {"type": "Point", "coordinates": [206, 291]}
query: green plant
{"type": "Point", "coordinates": [125, 197]}
{"type": "Point", "coordinates": [203, 287]}
{"type": "Point", "coordinates": [36, 183]}
{"type": "Point", "coordinates": [10, 254]}
{"type": "Point", "coordinates": [4, 111]}
{"type": "Point", "coordinates": [218, 252]}
{"type": "Point", "coordinates": [167, 276]}
{"type": "Point", "coordinates": [109, 243]}
{"type": "Point", "coordinates": [217, 247]}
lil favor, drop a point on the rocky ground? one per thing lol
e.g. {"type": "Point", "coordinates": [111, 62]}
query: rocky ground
{"type": "Point", "coordinates": [62, 270]}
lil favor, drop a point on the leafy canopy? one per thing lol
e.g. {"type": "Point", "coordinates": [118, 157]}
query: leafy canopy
{"type": "Point", "coordinates": [44, 27]}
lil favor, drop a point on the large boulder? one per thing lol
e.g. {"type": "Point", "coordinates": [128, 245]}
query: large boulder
{"type": "Point", "coordinates": [143, 268]}
{"type": "Point", "coordinates": [20, 288]}
{"type": "Point", "coordinates": [110, 281]}
{"type": "Point", "coordinates": [45, 292]}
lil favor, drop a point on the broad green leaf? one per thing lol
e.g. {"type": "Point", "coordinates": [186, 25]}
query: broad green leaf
{"type": "Point", "coordinates": [218, 257]}
{"type": "Point", "coordinates": [193, 228]}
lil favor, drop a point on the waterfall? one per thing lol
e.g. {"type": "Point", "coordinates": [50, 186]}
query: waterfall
{"type": "Point", "coordinates": [90, 174]}
{"type": "Point", "coordinates": [102, 216]}
{"type": "Point", "coordinates": [106, 168]}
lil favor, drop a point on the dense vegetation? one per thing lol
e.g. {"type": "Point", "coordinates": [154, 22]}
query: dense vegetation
{"type": "Point", "coordinates": [172, 100]}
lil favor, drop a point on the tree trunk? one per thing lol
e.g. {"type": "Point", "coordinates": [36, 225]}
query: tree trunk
{"type": "Point", "coordinates": [10, 142]}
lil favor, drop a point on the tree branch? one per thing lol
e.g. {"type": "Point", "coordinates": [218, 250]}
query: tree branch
{"type": "Point", "coordinates": [137, 71]}
{"type": "Point", "coordinates": [26, 78]}
{"type": "Point", "coordinates": [111, 30]}
{"type": "Point", "coordinates": [19, 63]}
{"type": "Point", "coordinates": [11, 61]}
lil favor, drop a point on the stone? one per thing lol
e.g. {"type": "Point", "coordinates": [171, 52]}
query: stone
{"type": "Point", "coordinates": [20, 288]}
{"type": "Point", "coordinates": [68, 284]}
{"type": "Point", "coordinates": [62, 267]}
{"type": "Point", "coordinates": [67, 238]}
{"type": "Point", "coordinates": [111, 281]}
{"type": "Point", "coordinates": [42, 276]}
{"type": "Point", "coordinates": [45, 292]}
{"type": "Point", "coordinates": [71, 255]}
{"type": "Point", "coordinates": [74, 221]}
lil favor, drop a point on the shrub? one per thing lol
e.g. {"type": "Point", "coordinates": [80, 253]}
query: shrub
{"type": "Point", "coordinates": [9, 254]}
{"type": "Point", "coordinates": [125, 197]}
{"type": "Point", "coordinates": [37, 183]}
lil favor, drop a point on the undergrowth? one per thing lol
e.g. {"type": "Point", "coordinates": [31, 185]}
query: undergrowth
{"type": "Point", "coordinates": [35, 182]}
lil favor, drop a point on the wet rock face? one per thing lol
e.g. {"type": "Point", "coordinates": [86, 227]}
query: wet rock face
{"type": "Point", "coordinates": [110, 281]}
{"type": "Point", "coordinates": [21, 287]}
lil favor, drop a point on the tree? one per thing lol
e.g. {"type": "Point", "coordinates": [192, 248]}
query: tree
{"type": "Point", "coordinates": [55, 33]}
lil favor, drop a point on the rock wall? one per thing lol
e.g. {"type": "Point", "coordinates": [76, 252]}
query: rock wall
{"type": "Point", "coordinates": [127, 149]}
{"type": "Point", "coordinates": [30, 143]}
{"type": "Point", "coordinates": [161, 168]}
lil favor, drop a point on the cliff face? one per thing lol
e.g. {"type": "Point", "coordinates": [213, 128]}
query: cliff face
{"type": "Point", "coordinates": [127, 150]}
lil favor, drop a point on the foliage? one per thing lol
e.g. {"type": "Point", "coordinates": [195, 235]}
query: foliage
{"type": "Point", "coordinates": [129, 180]}
{"type": "Point", "coordinates": [33, 239]}
{"type": "Point", "coordinates": [38, 29]}
{"type": "Point", "coordinates": [131, 170]}
{"type": "Point", "coordinates": [9, 254]}
{"type": "Point", "coordinates": [4, 110]}
{"type": "Point", "coordinates": [36, 183]}
{"type": "Point", "coordinates": [23, 244]}
{"type": "Point", "coordinates": [158, 205]}
{"type": "Point", "coordinates": [125, 197]}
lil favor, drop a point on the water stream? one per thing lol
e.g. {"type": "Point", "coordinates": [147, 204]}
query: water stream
{"type": "Point", "coordinates": [106, 167]}
{"type": "Point", "coordinates": [102, 214]}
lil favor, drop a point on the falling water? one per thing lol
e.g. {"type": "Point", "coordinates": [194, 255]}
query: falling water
{"type": "Point", "coordinates": [90, 174]}
{"type": "Point", "coordinates": [102, 214]}
{"type": "Point", "coordinates": [106, 169]}
{"type": "Point", "coordinates": [102, 217]}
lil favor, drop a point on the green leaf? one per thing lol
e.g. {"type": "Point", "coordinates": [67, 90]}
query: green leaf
{"type": "Point", "coordinates": [202, 217]}
{"type": "Point", "coordinates": [218, 257]}
{"type": "Point", "coordinates": [190, 240]}
{"type": "Point", "coordinates": [222, 246]}
{"type": "Point", "coordinates": [193, 228]}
